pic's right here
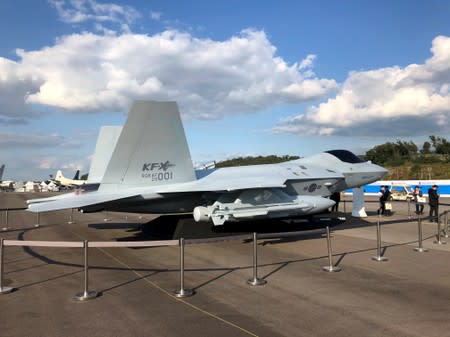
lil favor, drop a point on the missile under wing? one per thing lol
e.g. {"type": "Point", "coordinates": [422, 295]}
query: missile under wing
{"type": "Point", "coordinates": [151, 171]}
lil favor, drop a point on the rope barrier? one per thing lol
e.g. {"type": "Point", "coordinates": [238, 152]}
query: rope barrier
{"type": "Point", "coordinates": [125, 244]}
{"type": "Point", "coordinates": [29, 243]}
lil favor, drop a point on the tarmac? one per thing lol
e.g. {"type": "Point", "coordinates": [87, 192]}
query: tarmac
{"type": "Point", "coordinates": [409, 295]}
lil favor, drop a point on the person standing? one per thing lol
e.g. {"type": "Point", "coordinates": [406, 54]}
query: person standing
{"type": "Point", "coordinates": [383, 199]}
{"type": "Point", "coordinates": [433, 201]}
{"type": "Point", "coordinates": [418, 199]}
{"type": "Point", "coordinates": [387, 203]}
{"type": "Point", "coordinates": [336, 197]}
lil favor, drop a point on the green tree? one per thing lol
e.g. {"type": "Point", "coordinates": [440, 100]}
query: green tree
{"type": "Point", "coordinates": [440, 144]}
{"type": "Point", "coordinates": [242, 161]}
{"type": "Point", "coordinates": [426, 148]}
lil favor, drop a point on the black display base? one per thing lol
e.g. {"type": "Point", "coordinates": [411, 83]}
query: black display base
{"type": "Point", "coordinates": [169, 227]}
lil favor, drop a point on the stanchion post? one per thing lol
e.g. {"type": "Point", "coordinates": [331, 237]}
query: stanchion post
{"type": "Point", "coordinates": [6, 221]}
{"type": "Point", "coordinates": [409, 209]}
{"type": "Point", "coordinates": [86, 294]}
{"type": "Point", "coordinates": [330, 268]}
{"type": "Point", "coordinates": [37, 220]}
{"type": "Point", "coordinates": [345, 209]}
{"type": "Point", "coordinates": [106, 216]}
{"type": "Point", "coordinates": [182, 292]}
{"type": "Point", "coordinates": [71, 217]}
{"type": "Point", "coordinates": [420, 249]}
{"type": "Point", "coordinates": [3, 289]}
{"type": "Point", "coordinates": [255, 281]}
{"type": "Point", "coordinates": [378, 257]}
{"type": "Point", "coordinates": [439, 240]}
{"type": "Point", "coordinates": [446, 224]}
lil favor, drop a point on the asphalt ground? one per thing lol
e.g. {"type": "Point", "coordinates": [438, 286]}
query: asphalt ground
{"type": "Point", "coordinates": [409, 295]}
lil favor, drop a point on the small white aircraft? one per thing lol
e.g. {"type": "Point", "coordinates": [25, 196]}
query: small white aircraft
{"type": "Point", "coordinates": [63, 181]}
{"type": "Point", "coordinates": [151, 171]}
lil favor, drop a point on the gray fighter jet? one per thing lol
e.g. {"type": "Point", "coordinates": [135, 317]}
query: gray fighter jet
{"type": "Point", "coordinates": [150, 171]}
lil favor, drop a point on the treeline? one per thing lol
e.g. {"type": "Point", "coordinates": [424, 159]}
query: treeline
{"type": "Point", "coordinates": [243, 161]}
{"type": "Point", "coordinates": [437, 150]}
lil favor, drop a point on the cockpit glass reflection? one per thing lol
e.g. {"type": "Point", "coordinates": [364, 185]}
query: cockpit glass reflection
{"type": "Point", "coordinates": [346, 156]}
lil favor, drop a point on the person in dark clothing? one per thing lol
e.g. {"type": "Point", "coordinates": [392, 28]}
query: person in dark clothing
{"type": "Point", "coordinates": [433, 201]}
{"type": "Point", "coordinates": [336, 197]}
{"type": "Point", "coordinates": [382, 209]}
{"type": "Point", "coordinates": [387, 197]}
{"type": "Point", "coordinates": [418, 199]}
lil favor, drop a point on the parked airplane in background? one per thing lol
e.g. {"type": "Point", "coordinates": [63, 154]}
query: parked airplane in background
{"type": "Point", "coordinates": [150, 171]}
{"type": "Point", "coordinates": [63, 181]}
{"type": "Point", "coordinates": [7, 185]}
{"type": "Point", "coordinates": [2, 168]}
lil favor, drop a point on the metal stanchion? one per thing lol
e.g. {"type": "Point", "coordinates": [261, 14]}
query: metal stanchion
{"type": "Point", "coordinates": [71, 218]}
{"type": "Point", "coordinates": [378, 257]}
{"type": "Point", "coordinates": [420, 249]}
{"type": "Point", "coordinates": [409, 209]}
{"type": "Point", "coordinates": [345, 209]}
{"type": "Point", "coordinates": [182, 292]}
{"type": "Point", "coordinates": [330, 268]}
{"type": "Point", "coordinates": [3, 290]}
{"type": "Point", "coordinates": [106, 216]}
{"type": "Point", "coordinates": [255, 281]}
{"type": "Point", "coordinates": [37, 220]}
{"type": "Point", "coordinates": [87, 294]}
{"type": "Point", "coordinates": [6, 221]}
{"type": "Point", "coordinates": [446, 224]}
{"type": "Point", "coordinates": [439, 240]}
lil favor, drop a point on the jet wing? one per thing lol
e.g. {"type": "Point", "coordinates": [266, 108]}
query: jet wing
{"type": "Point", "coordinates": [231, 179]}
{"type": "Point", "coordinates": [80, 200]}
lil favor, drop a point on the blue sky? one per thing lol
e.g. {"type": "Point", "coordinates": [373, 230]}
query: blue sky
{"type": "Point", "coordinates": [251, 77]}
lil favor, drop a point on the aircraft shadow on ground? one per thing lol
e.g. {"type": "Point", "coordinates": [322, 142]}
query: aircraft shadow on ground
{"type": "Point", "coordinates": [115, 225]}
{"type": "Point", "coordinates": [173, 227]}
{"type": "Point", "coordinates": [170, 227]}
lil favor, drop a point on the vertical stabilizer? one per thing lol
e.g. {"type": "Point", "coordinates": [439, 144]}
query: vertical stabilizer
{"type": "Point", "coordinates": [2, 168]}
{"type": "Point", "coordinates": [151, 150]}
{"type": "Point", "coordinates": [77, 175]}
{"type": "Point", "coordinates": [59, 176]}
{"type": "Point", "coordinates": [106, 142]}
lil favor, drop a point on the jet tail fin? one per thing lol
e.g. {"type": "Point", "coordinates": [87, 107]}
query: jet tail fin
{"type": "Point", "coordinates": [2, 168]}
{"type": "Point", "coordinates": [77, 175]}
{"type": "Point", "coordinates": [59, 176]}
{"type": "Point", "coordinates": [106, 142]}
{"type": "Point", "coordinates": [151, 150]}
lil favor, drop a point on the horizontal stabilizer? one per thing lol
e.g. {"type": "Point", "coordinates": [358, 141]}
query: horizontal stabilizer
{"type": "Point", "coordinates": [75, 200]}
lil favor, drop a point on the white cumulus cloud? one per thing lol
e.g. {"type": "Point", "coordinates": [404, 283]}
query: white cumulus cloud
{"type": "Point", "coordinates": [388, 101]}
{"type": "Point", "coordinates": [88, 72]}
{"type": "Point", "coordinates": [16, 84]}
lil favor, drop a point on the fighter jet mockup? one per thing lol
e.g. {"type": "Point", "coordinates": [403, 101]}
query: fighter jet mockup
{"type": "Point", "coordinates": [150, 171]}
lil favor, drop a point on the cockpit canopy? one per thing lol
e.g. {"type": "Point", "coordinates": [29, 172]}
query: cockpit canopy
{"type": "Point", "coordinates": [345, 156]}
